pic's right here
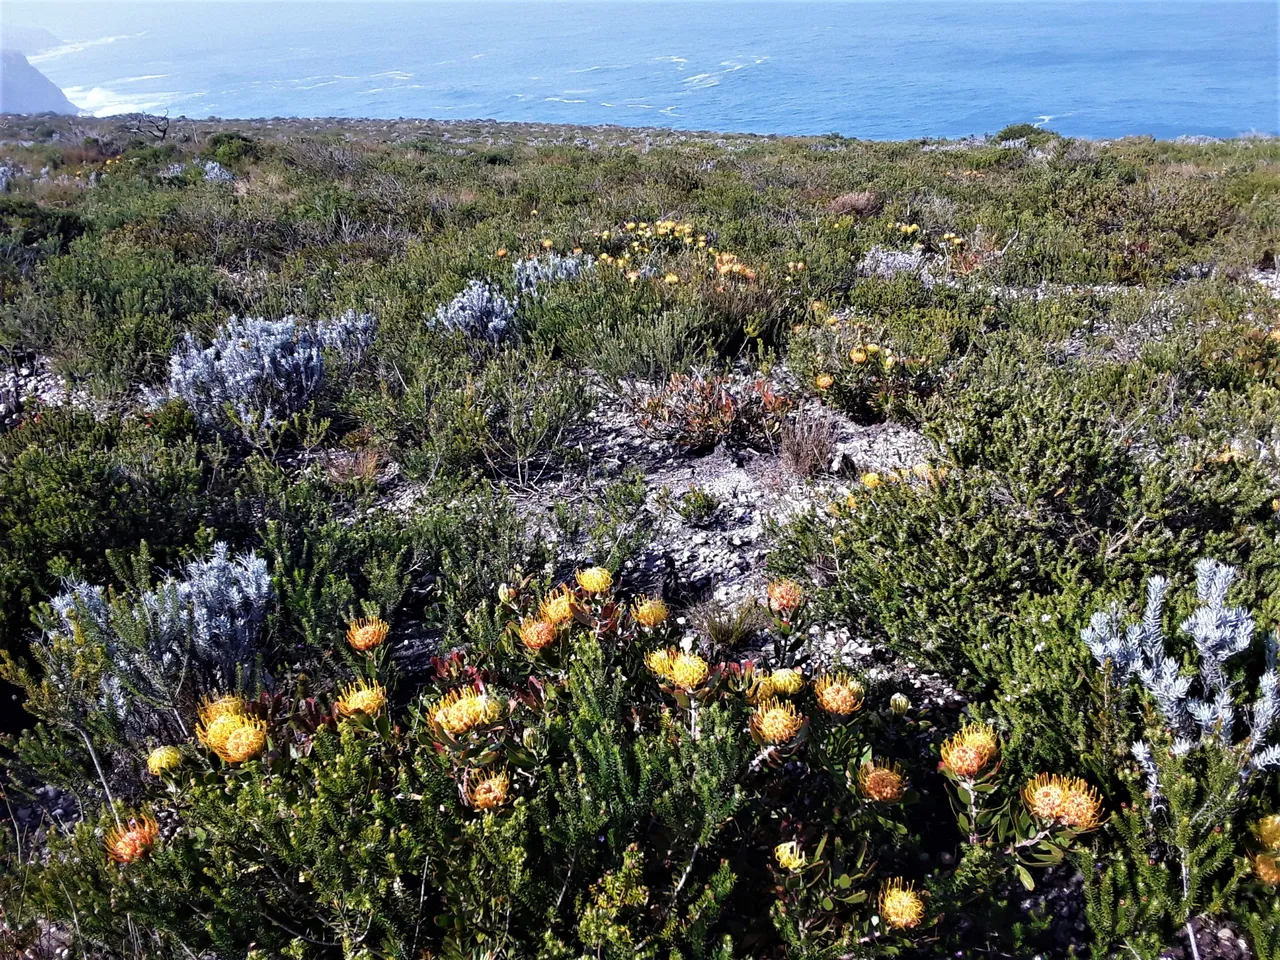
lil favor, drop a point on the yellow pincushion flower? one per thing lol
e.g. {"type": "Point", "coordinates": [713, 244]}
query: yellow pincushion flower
{"type": "Point", "coordinates": [463, 710]}
{"type": "Point", "coordinates": [558, 608]}
{"type": "Point", "coordinates": [660, 662]}
{"type": "Point", "coordinates": [1268, 831]}
{"type": "Point", "coordinates": [881, 781]}
{"type": "Point", "coordinates": [130, 842]}
{"type": "Point", "coordinates": [970, 751]}
{"type": "Point", "coordinates": [650, 612]}
{"type": "Point", "coordinates": [790, 856]}
{"type": "Point", "coordinates": [872, 480]}
{"type": "Point", "coordinates": [595, 580]}
{"type": "Point", "coordinates": [838, 694]}
{"type": "Point", "coordinates": [1266, 866]}
{"type": "Point", "coordinates": [900, 905]}
{"type": "Point", "coordinates": [824, 381]}
{"type": "Point", "coordinates": [787, 681]}
{"type": "Point", "coordinates": [858, 355]}
{"type": "Point", "coordinates": [362, 697]}
{"type": "Point", "coordinates": [689, 671]}
{"type": "Point", "coordinates": [367, 633]}
{"type": "Point", "coordinates": [776, 722]}
{"type": "Point", "coordinates": [163, 759]}
{"type": "Point", "coordinates": [489, 790]}
{"type": "Point", "coordinates": [760, 688]}
{"type": "Point", "coordinates": [784, 596]}
{"type": "Point", "coordinates": [537, 634]}
{"type": "Point", "coordinates": [228, 730]}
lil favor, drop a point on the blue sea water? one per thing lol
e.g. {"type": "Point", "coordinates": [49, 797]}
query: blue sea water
{"type": "Point", "coordinates": [867, 69]}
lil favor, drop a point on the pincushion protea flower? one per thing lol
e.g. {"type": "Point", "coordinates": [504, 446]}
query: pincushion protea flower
{"type": "Point", "coordinates": [595, 580]}
{"type": "Point", "coordinates": [1069, 801]}
{"type": "Point", "coordinates": [900, 905]}
{"type": "Point", "coordinates": [824, 381]}
{"type": "Point", "coordinates": [1268, 831]}
{"type": "Point", "coordinates": [462, 710]}
{"type": "Point", "coordinates": [558, 608]}
{"type": "Point", "coordinates": [899, 704]}
{"type": "Point", "coordinates": [367, 633]}
{"type": "Point", "coordinates": [790, 856]}
{"type": "Point", "coordinates": [969, 752]}
{"type": "Point", "coordinates": [1266, 867]}
{"type": "Point", "coordinates": [537, 634]}
{"type": "Point", "coordinates": [838, 694]}
{"type": "Point", "coordinates": [650, 612]}
{"type": "Point", "coordinates": [659, 662]}
{"type": "Point", "coordinates": [163, 759]}
{"type": "Point", "coordinates": [130, 842]}
{"type": "Point", "coordinates": [227, 728]}
{"type": "Point", "coordinates": [881, 781]}
{"type": "Point", "coordinates": [362, 697]}
{"type": "Point", "coordinates": [689, 671]}
{"type": "Point", "coordinates": [784, 597]}
{"type": "Point", "coordinates": [488, 790]}
{"type": "Point", "coordinates": [776, 722]}
{"type": "Point", "coordinates": [787, 681]}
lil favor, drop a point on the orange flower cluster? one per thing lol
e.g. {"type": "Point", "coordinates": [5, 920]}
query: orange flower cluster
{"type": "Point", "coordinates": [1068, 801]}
{"type": "Point", "coordinates": [776, 722]}
{"type": "Point", "coordinates": [838, 694]}
{"type": "Point", "coordinates": [881, 781]}
{"type": "Point", "coordinates": [970, 751]}
{"type": "Point", "coordinates": [133, 840]}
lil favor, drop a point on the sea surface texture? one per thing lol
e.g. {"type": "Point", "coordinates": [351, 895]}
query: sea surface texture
{"type": "Point", "coordinates": [872, 70]}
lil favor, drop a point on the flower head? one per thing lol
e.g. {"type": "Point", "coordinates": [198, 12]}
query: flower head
{"type": "Point", "coordinates": [559, 607]}
{"type": "Point", "coordinates": [881, 781]}
{"type": "Point", "coordinates": [1069, 801]}
{"type": "Point", "coordinates": [537, 634]}
{"type": "Point", "coordinates": [900, 905]}
{"type": "Point", "coordinates": [872, 480]}
{"type": "Point", "coordinates": [367, 633]}
{"type": "Point", "coordinates": [824, 381]}
{"type": "Point", "coordinates": [838, 694]}
{"type": "Point", "coordinates": [464, 709]}
{"type": "Point", "coordinates": [689, 671]}
{"type": "Point", "coordinates": [227, 728]}
{"type": "Point", "coordinates": [1266, 866]}
{"type": "Point", "coordinates": [776, 722]}
{"type": "Point", "coordinates": [595, 580]}
{"type": "Point", "coordinates": [790, 856]}
{"type": "Point", "coordinates": [650, 612]}
{"type": "Point", "coordinates": [787, 682]}
{"type": "Point", "coordinates": [660, 662]}
{"type": "Point", "coordinates": [488, 790]}
{"type": "Point", "coordinates": [163, 759]}
{"type": "Point", "coordinates": [362, 697]}
{"type": "Point", "coordinates": [1268, 831]}
{"type": "Point", "coordinates": [1082, 808]}
{"type": "Point", "coordinates": [130, 842]}
{"type": "Point", "coordinates": [785, 596]}
{"type": "Point", "coordinates": [899, 704]}
{"type": "Point", "coordinates": [970, 751]}
{"type": "Point", "coordinates": [1045, 794]}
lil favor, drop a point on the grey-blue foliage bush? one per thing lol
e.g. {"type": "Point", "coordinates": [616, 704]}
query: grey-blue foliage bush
{"type": "Point", "coordinates": [254, 375]}
{"type": "Point", "coordinates": [349, 336]}
{"type": "Point", "coordinates": [480, 311]}
{"type": "Point", "coordinates": [550, 269]}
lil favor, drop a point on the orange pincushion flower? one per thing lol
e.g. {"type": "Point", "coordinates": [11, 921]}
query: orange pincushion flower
{"type": "Point", "coordinates": [594, 579]}
{"type": "Point", "coordinates": [969, 752]}
{"type": "Point", "coordinates": [776, 722]}
{"type": "Point", "coordinates": [1082, 808]}
{"type": "Point", "coordinates": [900, 905]}
{"type": "Point", "coordinates": [227, 729]}
{"type": "Point", "coordinates": [650, 612]}
{"type": "Point", "coordinates": [362, 697]}
{"type": "Point", "coordinates": [462, 710]}
{"type": "Point", "coordinates": [367, 633]}
{"type": "Point", "coordinates": [882, 782]}
{"type": "Point", "coordinates": [1266, 866]}
{"type": "Point", "coordinates": [537, 634]}
{"type": "Point", "coordinates": [486, 791]}
{"type": "Point", "coordinates": [1045, 795]}
{"type": "Point", "coordinates": [838, 694]}
{"type": "Point", "coordinates": [689, 671]}
{"type": "Point", "coordinates": [132, 841]}
{"type": "Point", "coordinates": [785, 596]}
{"type": "Point", "coordinates": [824, 381]}
{"type": "Point", "coordinates": [559, 607]}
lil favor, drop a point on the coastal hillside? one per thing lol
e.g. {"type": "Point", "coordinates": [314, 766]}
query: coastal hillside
{"type": "Point", "coordinates": [480, 540]}
{"type": "Point", "coordinates": [24, 89]}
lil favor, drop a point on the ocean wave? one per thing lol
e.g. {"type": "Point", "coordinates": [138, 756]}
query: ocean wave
{"type": "Point", "coordinates": [699, 80]}
{"type": "Point", "coordinates": [587, 69]}
{"type": "Point", "coordinates": [560, 100]}
{"type": "Point", "coordinates": [149, 76]}
{"type": "Point", "coordinates": [677, 60]}
{"type": "Point", "coordinates": [79, 45]}
{"type": "Point", "coordinates": [104, 102]}
{"type": "Point", "coordinates": [390, 75]}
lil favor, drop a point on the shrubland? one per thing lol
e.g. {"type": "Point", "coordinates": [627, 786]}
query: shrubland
{"type": "Point", "coordinates": [341, 629]}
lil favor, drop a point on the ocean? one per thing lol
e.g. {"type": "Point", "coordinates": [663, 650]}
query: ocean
{"type": "Point", "coordinates": [875, 70]}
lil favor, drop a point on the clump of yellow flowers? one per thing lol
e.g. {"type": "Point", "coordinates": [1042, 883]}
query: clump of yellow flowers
{"type": "Point", "coordinates": [228, 729]}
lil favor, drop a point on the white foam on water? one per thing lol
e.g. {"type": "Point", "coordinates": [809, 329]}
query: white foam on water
{"type": "Point", "coordinates": [69, 48]}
